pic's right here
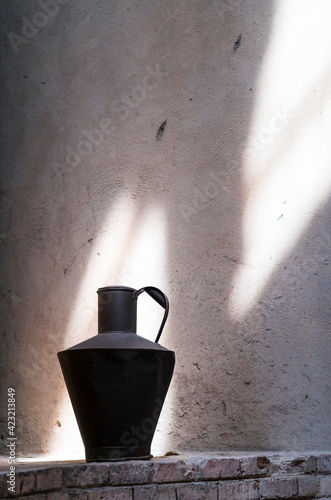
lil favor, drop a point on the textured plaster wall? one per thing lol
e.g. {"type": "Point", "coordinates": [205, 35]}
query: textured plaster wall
{"type": "Point", "coordinates": [181, 144]}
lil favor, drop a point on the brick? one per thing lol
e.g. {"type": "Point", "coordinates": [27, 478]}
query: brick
{"type": "Point", "coordinates": [174, 471]}
{"type": "Point", "coordinates": [325, 485]}
{"type": "Point", "coordinates": [3, 485]}
{"type": "Point", "coordinates": [155, 492]}
{"type": "Point", "coordinates": [301, 465]}
{"type": "Point", "coordinates": [324, 463]}
{"type": "Point", "coordinates": [58, 495]}
{"type": "Point", "coordinates": [278, 488]}
{"type": "Point", "coordinates": [310, 465]}
{"type": "Point", "coordinates": [49, 479]}
{"type": "Point", "coordinates": [308, 486]}
{"type": "Point", "coordinates": [25, 482]}
{"type": "Point", "coordinates": [196, 491]}
{"type": "Point", "coordinates": [39, 496]}
{"type": "Point", "coordinates": [117, 493]}
{"type": "Point", "coordinates": [108, 493]}
{"type": "Point", "coordinates": [254, 466]}
{"type": "Point", "coordinates": [85, 475]}
{"type": "Point", "coordinates": [239, 490]}
{"type": "Point", "coordinates": [219, 468]}
{"type": "Point", "coordinates": [137, 472]}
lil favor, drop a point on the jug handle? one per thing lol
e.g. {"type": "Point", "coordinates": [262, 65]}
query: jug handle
{"type": "Point", "coordinates": [161, 299]}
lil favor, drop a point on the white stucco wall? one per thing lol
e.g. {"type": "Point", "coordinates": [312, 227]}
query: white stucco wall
{"type": "Point", "coordinates": [227, 210]}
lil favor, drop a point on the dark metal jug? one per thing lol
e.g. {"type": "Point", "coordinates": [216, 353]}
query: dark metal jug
{"type": "Point", "coordinates": [117, 381]}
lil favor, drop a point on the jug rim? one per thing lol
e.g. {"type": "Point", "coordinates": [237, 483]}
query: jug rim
{"type": "Point", "coordinates": [116, 287]}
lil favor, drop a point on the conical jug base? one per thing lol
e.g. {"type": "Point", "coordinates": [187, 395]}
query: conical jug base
{"type": "Point", "coordinates": [117, 396]}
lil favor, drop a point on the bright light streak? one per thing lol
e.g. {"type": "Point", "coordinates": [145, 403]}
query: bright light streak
{"type": "Point", "coordinates": [287, 168]}
{"type": "Point", "coordinates": [102, 268]}
{"type": "Point", "coordinates": [145, 265]}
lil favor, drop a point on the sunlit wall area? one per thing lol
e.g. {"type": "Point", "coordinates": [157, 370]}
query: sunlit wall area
{"type": "Point", "coordinates": [286, 165]}
{"type": "Point", "coordinates": [281, 286]}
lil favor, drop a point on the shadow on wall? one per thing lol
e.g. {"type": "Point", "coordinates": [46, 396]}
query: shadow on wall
{"type": "Point", "coordinates": [290, 353]}
{"type": "Point", "coordinates": [124, 166]}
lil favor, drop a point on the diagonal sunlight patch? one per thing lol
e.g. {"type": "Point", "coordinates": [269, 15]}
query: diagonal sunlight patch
{"type": "Point", "coordinates": [287, 162]}
{"type": "Point", "coordinates": [145, 265]}
{"type": "Point", "coordinates": [129, 251]}
{"type": "Point", "coordinates": [104, 263]}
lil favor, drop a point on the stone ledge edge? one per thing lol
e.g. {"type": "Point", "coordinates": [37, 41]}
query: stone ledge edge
{"type": "Point", "coordinates": [52, 478]}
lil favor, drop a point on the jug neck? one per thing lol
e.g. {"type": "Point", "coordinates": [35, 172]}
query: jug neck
{"type": "Point", "coordinates": [117, 309]}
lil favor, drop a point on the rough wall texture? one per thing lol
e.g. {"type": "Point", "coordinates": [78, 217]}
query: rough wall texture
{"type": "Point", "coordinates": [182, 145]}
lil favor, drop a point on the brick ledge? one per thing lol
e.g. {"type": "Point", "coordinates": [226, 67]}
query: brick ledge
{"type": "Point", "coordinates": [212, 476]}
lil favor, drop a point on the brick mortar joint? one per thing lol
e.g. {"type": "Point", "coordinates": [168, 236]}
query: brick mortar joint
{"type": "Point", "coordinates": [239, 479]}
{"type": "Point", "coordinates": [239, 475]}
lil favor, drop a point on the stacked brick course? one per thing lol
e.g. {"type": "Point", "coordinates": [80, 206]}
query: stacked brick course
{"type": "Point", "coordinates": [214, 477]}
